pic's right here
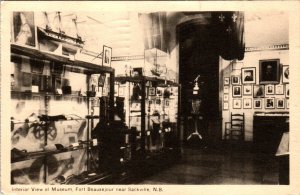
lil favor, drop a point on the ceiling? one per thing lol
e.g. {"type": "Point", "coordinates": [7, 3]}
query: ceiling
{"type": "Point", "coordinates": [122, 30]}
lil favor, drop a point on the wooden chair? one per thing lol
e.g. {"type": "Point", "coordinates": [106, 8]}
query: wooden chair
{"type": "Point", "coordinates": [235, 129]}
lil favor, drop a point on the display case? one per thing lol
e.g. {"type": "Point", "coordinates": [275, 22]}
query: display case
{"type": "Point", "coordinates": [151, 113]}
{"type": "Point", "coordinates": [55, 107]}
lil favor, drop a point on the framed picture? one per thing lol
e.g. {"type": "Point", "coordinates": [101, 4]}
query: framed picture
{"type": "Point", "coordinates": [269, 71]}
{"type": "Point", "coordinates": [226, 89]}
{"type": "Point", "coordinates": [237, 91]}
{"type": "Point", "coordinates": [269, 89]}
{"type": "Point", "coordinates": [101, 80]}
{"type": "Point", "coordinates": [247, 90]}
{"type": "Point", "coordinates": [280, 103]}
{"type": "Point", "coordinates": [106, 56]}
{"type": "Point", "coordinates": [287, 102]}
{"type": "Point", "coordinates": [257, 103]}
{"type": "Point", "coordinates": [24, 28]}
{"type": "Point", "coordinates": [167, 103]}
{"type": "Point", "coordinates": [285, 73]}
{"type": "Point", "coordinates": [152, 91]}
{"type": "Point", "coordinates": [249, 75]}
{"type": "Point", "coordinates": [279, 90]}
{"type": "Point", "coordinates": [287, 90]}
{"type": "Point", "coordinates": [235, 80]}
{"type": "Point", "coordinates": [157, 101]}
{"type": "Point", "coordinates": [269, 103]}
{"type": "Point", "coordinates": [225, 106]}
{"type": "Point", "coordinates": [226, 80]}
{"type": "Point", "coordinates": [247, 103]}
{"type": "Point", "coordinates": [226, 97]}
{"type": "Point", "coordinates": [159, 92]}
{"type": "Point", "coordinates": [237, 104]}
{"type": "Point", "coordinates": [258, 91]}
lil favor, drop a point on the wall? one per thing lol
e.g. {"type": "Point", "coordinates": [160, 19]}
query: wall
{"type": "Point", "coordinates": [251, 60]}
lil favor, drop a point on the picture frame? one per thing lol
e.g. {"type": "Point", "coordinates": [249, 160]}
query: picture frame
{"type": "Point", "coordinates": [106, 57]}
{"type": "Point", "coordinates": [152, 91]}
{"type": "Point", "coordinates": [285, 73]}
{"type": "Point", "coordinates": [101, 79]}
{"type": "Point", "coordinates": [235, 80]}
{"type": "Point", "coordinates": [269, 71]}
{"type": "Point", "coordinates": [287, 102]}
{"type": "Point", "coordinates": [249, 75]}
{"type": "Point", "coordinates": [226, 80]}
{"type": "Point", "coordinates": [287, 90]}
{"type": "Point", "coordinates": [280, 104]}
{"type": "Point", "coordinates": [247, 90]}
{"type": "Point", "coordinates": [237, 91]}
{"type": "Point", "coordinates": [257, 103]}
{"type": "Point", "coordinates": [258, 91]}
{"type": "Point", "coordinates": [237, 104]}
{"type": "Point", "coordinates": [226, 97]}
{"type": "Point", "coordinates": [247, 103]}
{"type": "Point", "coordinates": [270, 103]}
{"type": "Point", "coordinates": [226, 89]}
{"type": "Point", "coordinates": [270, 89]}
{"type": "Point", "coordinates": [279, 89]}
{"type": "Point", "coordinates": [225, 106]}
{"type": "Point", "coordinates": [167, 103]}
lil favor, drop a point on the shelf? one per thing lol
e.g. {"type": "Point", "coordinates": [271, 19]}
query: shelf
{"type": "Point", "coordinates": [138, 79]}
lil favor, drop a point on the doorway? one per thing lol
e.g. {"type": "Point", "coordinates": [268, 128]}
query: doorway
{"type": "Point", "coordinates": [199, 68]}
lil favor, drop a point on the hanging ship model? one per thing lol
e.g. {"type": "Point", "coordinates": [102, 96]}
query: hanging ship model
{"type": "Point", "coordinates": [52, 36]}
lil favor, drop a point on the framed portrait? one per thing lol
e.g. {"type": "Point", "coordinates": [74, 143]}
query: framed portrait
{"type": "Point", "coordinates": [287, 90]}
{"type": "Point", "coordinates": [106, 56]}
{"type": "Point", "coordinates": [279, 89]}
{"type": "Point", "coordinates": [247, 90]}
{"type": "Point", "coordinates": [237, 104]}
{"type": "Point", "coordinates": [269, 103]}
{"type": "Point", "coordinates": [24, 28]}
{"type": "Point", "coordinates": [225, 106]}
{"type": "Point", "coordinates": [247, 103]}
{"type": "Point", "coordinates": [280, 103]}
{"type": "Point", "coordinates": [226, 97]}
{"type": "Point", "coordinates": [269, 71]}
{"type": "Point", "coordinates": [167, 103]}
{"type": "Point", "coordinates": [287, 102]}
{"type": "Point", "coordinates": [235, 80]}
{"type": "Point", "coordinates": [269, 90]}
{"type": "Point", "coordinates": [237, 91]}
{"type": "Point", "coordinates": [258, 91]}
{"type": "Point", "coordinates": [249, 75]}
{"type": "Point", "coordinates": [152, 91]}
{"type": "Point", "coordinates": [226, 80]}
{"type": "Point", "coordinates": [285, 73]}
{"type": "Point", "coordinates": [157, 101]}
{"type": "Point", "coordinates": [159, 92]}
{"type": "Point", "coordinates": [101, 80]}
{"type": "Point", "coordinates": [226, 89]}
{"type": "Point", "coordinates": [257, 103]}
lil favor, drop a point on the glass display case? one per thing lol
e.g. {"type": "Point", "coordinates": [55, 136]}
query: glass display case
{"type": "Point", "coordinates": [55, 106]}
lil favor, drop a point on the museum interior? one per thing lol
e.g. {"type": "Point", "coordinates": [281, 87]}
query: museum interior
{"type": "Point", "coordinates": [149, 97]}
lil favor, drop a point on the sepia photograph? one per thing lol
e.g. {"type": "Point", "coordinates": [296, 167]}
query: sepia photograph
{"type": "Point", "coordinates": [124, 98]}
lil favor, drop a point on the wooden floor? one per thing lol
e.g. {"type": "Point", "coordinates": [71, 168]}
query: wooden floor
{"type": "Point", "coordinates": [208, 166]}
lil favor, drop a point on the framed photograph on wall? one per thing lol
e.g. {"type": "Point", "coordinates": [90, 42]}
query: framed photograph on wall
{"type": "Point", "coordinates": [152, 91]}
{"type": "Point", "coordinates": [249, 75]}
{"type": "Point", "coordinates": [225, 106]}
{"type": "Point", "coordinates": [287, 90]}
{"type": "Point", "coordinates": [237, 104]}
{"type": "Point", "coordinates": [237, 91]}
{"type": "Point", "coordinates": [226, 97]}
{"type": "Point", "coordinates": [269, 72]}
{"type": "Point", "coordinates": [106, 56]}
{"type": "Point", "coordinates": [247, 103]}
{"type": "Point", "coordinates": [235, 80]}
{"type": "Point", "coordinates": [279, 89]}
{"type": "Point", "coordinates": [258, 91]}
{"type": "Point", "coordinates": [269, 90]}
{"type": "Point", "coordinates": [269, 103]}
{"type": "Point", "coordinates": [247, 90]}
{"type": "Point", "coordinates": [280, 103]}
{"type": "Point", "coordinates": [285, 73]}
{"type": "Point", "coordinates": [257, 103]}
{"type": "Point", "coordinates": [226, 80]}
{"type": "Point", "coordinates": [226, 89]}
